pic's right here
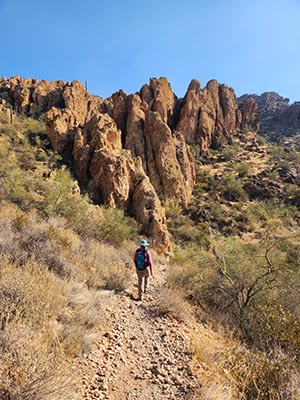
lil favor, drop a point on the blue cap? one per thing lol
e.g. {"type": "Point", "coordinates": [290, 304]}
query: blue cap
{"type": "Point", "coordinates": [144, 242]}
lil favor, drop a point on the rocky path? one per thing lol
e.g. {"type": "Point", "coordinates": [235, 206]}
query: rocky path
{"type": "Point", "coordinates": [143, 355]}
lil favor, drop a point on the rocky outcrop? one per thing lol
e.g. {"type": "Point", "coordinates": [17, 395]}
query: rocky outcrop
{"type": "Point", "coordinates": [91, 140]}
{"type": "Point", "coordinates": [249, 117]}
{"type": "Point", "coordinates": [148, 134]}
{"type": "Point", "coordinates": [277, 117]}
{"type": "Point", "coordinates": [160, 97]}
{"type": "Point", "coordinates": [210, 117]}
{"type": "Point", "coordinates": [132, 151]}
{"type": "Point", "coordinates": [30, 96]}
{"type": "Point", "coordinates": [160, 127]}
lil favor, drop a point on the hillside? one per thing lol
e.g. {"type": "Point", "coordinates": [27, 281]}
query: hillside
{"type": "Point", "coordinates": [82, 179]}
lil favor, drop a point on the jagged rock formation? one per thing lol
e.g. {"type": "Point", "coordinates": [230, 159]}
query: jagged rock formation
{"type": "Point", "coordinates": [277, 117]}
{"type": "Point", "coordinates": [133, 151]}
{"type": "Point", "coordinates": [150, 116]}
{"type": "Point", "coordinates": [92, 140]}
{"type": "Point", "coordinates": [268, 103]}
{"type": "Point", "coordinates": [159, 129]}
{"type": "Point", "coordinates": [208, 116]}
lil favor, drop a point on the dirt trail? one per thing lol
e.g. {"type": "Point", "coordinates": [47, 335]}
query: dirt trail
{"type": "Point", "coordinates": [143, 355]}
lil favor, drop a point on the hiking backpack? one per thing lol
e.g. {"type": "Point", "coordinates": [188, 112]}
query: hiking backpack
{"type": "Point", "coordinates": [141, 260]}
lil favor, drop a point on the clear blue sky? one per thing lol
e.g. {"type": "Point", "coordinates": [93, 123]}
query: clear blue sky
{"type": "Point", "coordinates": [252, 46]}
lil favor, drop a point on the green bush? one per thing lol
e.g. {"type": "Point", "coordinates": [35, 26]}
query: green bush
{"type": "Point", "coordinates": [228, 153]}
{"type": "Point", "coordinates": [242, 168]}
{"type": "Point", "coordinates": [260, 213]}
{"type": "Point", "coordinates": [26, 148]}
{"type": "Point", "coordinates": [232, 189]}
{"type": "Point", "coordinates": [184, 231]}
{"type": "Point", "coordinates": [116, 227]}
{"type": "Point", "coordinates": [293, 193]}
{"type": "Point", "coordinates": [60, 196]}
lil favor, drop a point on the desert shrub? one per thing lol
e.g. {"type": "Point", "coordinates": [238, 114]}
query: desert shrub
{"type": "Point", "coordinates": [276, 151]}
{"type": "Point", "coordinates": [259, 376]}
{"type": "Point", "coordinates": [276, 327]}
{"type": "Point", "coordinates": [104, 265]}
{"type": "Point", "coordinates": [236, 280]}
{"type": "Point", "coordinates": [184, 267]}
{"type": "Point", "coordinates": [171, 303]}
{"type": "Point", "coordinates": [59, 197]}
{"type": "Point", "coordinates": [26, 149]}
{"type": "Point", "coordinates": [232, 189]}
{"type": "Point", "coordinates": [228, 153]}
{"type": "Point", "coordinates": [32, 363]}
{"type": "Point", "coordinates": [258, 213]}
{"type": "Point", "coordinates": [214, 209]}
{"type": "Point", "coordinates": [26, 237]}
{"type": "Point", "coordinates": [29, 370]}
{"type": "Point", "coordinates": [273, 174]}
{"type": "Point", "coordinates": [172, 207]}
{"type": "Point", "coordinates": [28, 294]}
{"type": "Point", "coordinates": [116, 227]}
{"type": "Point", "coordinates": [77, 322]}
{"type": "Point", "coordinates": [293, 193]}
{"type": "Point", "coordinates": [283, 155]}
{"type": "Point", "coordinates": [117, 278]}
{"type": "Point", "coordinates": [28, 141]}
{"type": "Point", "coordinates": [243, 168]}
{"type": "Point", "coordinates": [204, 181]}
{"type": "Point", "coordinates": [233, 371]}
{"type": "Point", "coordinates": [261, 140]}
{"type": "Point", "coordinates": [185, 231]}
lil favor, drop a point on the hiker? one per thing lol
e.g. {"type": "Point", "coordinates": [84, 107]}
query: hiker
{"type": "Point", "coordinates": [143, 264]}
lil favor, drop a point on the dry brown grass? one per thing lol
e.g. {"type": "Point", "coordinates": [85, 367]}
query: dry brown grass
{"type": "Point", "coordinates": [210, 351]}
{"type": "Point", "coordinates": [171, 303]}
{"type": "Point", "coordinates": [32, 361]}
{"type": "Point", "coordinates": [50, 301]}
{"type": "Point", "coordinates": [231, 371]}
{"type": "Point", "coordinates": [29, 370]}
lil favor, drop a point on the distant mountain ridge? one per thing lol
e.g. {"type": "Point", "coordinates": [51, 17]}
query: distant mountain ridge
{"type": "Point", "coordinates": [276, 115]}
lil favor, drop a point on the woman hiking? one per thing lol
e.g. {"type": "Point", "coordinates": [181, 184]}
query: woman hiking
{"type": "Point", "coordinates": [143, 264]}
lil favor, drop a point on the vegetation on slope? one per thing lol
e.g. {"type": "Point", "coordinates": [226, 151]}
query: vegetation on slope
{"type": "Point", "coordinates": [238, 261]}
{"type": "Point", "coordinates": [56, 251]}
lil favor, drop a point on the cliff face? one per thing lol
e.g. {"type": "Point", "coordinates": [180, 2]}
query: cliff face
{"type": "Point", "coordinates": [132, 151]}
